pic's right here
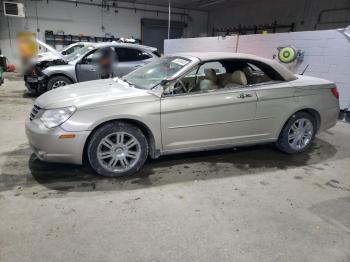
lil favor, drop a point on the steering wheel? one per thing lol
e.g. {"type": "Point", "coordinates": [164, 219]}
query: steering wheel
{"type": "Point", "coordinates": [180, 85]}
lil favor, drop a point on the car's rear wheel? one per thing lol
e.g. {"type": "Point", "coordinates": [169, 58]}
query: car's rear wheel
{"type": "Point", "coordinates": [58, 81]}
{"type": "Point", "coordinates": [117, 149]}
{"type": "Point", "coordinates": [297, 134]}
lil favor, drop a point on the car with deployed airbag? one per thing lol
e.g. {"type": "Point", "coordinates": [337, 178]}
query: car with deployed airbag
{"type": "Point", "coordinates": [180, 103]}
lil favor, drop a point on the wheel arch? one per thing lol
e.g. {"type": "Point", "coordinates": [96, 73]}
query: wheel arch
{"type": "Point", "coordinates": [311, 111]}
{"type": "Point", "coordinates": [153, 152]}
{"type": "Point", "coordinates": [61, 74]}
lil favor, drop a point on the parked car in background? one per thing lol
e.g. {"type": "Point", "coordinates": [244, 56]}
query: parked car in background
{"type": "Point", "coordinates": [180, 103]}
{"type": "Point", "coordinates": [84, 65]}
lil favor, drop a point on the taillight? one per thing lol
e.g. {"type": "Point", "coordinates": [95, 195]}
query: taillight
{"type": "Point", "coordinates": [335, 92]}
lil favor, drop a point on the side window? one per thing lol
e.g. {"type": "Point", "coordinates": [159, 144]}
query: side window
{"type": "Point", "coordinates": [209, 77]}
{"type": "Point", "coordinates": [73, 49]}
{"type": "Point", "coordinates": [259, 73]}
{"type": "Point", "coordinates": [217, 66]}
{"type": "Point", "coordinates": [202, 78]}
{"type": "Point", "coordinates": [93, 57]}
{"type": "Point", "coordinates": [142, 55]}
{"type": "Point", "coordinates": [131, 54]}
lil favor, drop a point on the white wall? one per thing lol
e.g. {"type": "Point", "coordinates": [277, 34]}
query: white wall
{"type": "Point", "coordinates": [201, 44]}
{"type": "Point", "coordinates": [87, 20]}
{"type": "Point", "coordinates": [327, 52]}
{"type": "Point", "coordinates": [303, 13]}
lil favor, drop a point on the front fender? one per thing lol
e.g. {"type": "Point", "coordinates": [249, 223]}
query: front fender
{"type": "Point", "coordinates": [147, 113]}
{"type": "Point", "coordinates": [67, 70]}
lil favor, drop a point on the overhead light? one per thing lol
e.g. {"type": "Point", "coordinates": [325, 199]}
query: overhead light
{"type": "Point", "coordinates": [212, 3]}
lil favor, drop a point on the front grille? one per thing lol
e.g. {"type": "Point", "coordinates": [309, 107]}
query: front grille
{"type": "Point", "coordinates": [34, 112]}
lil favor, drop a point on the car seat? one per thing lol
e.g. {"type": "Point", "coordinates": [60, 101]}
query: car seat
{"type": "Point", "coordinates": [238, 79]}
{"type": "Point", "coordinates": [210, 80]}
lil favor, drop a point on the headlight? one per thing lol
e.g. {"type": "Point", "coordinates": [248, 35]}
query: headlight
{"type": "Point", "coordinates": [55, 117]}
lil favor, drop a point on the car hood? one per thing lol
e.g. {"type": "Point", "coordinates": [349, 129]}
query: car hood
{"type": "Point", "coordinates": [93, 94]}
{"type": "Point", "coordinates": [53, 51]}
{"type": "Point", "coordinates": [47, 56]}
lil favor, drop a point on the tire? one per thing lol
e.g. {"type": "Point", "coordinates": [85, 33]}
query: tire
{"type": "Point", "coordinates": [291, 129]}
{"type": "Point", "coordinates": [58, 81]}
{"type": "Point", "coordinates": [117, 149]}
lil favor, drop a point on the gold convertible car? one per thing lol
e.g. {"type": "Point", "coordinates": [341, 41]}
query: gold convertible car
{"type": "Point", "coordinates": [180, 103]}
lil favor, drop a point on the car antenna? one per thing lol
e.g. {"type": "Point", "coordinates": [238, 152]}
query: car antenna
{"type": "Point", "coordinates": [304, 69]}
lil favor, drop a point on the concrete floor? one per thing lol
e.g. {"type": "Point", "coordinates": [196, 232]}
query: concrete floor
{"type": "Point", "coordinates": [248, 204]}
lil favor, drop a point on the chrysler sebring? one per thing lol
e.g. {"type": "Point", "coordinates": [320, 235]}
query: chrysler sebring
{"type": "Point", "coordinates": [180, 103]}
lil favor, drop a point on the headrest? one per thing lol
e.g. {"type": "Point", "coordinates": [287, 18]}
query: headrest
{"type": "Point", "coordinates": [210, 74]}
{"type": "Point", "coordinates": [238, 77]}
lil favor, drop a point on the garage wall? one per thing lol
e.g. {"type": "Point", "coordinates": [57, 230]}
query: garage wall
{"type": "Point", "coordinates": [303, 12]}
{"type": "Point", "coordinates": [88, 20]}
{"type": "Point", "coordinates": [201, 44]}
{"type": "Point", "coordinates": [327, 52]}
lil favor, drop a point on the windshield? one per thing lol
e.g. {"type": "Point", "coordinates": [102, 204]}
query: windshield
{"type": "Point", "coordinates": [79, 52]}
{"type": "Point", "coordinates": [153, 73]}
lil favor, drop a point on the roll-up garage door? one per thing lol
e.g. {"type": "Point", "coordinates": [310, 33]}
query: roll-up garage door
{"type": "Point", "coordinates": [153, 32]}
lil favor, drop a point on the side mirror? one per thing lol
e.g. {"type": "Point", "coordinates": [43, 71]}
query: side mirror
{"type": "Point", "coordinates": [64, 53]}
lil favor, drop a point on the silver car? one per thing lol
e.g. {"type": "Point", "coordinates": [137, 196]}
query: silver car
{"type": "Point", "coordinates": [180, 103]}
{"type": "Point", "coordinates": [54, 54]}
{"type": "Point", "coordinates": [83, 65]}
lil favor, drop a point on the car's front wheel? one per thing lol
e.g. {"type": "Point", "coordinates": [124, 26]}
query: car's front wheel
{"type": "Point", "coordinates": [117, 149]}
{"type": "Point", "coordinates": [58, 81]}
{"type": "Point", "coordinates": [297, 134]}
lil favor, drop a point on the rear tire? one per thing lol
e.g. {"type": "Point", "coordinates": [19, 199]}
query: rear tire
{"type": "Point", "coordinates": [297, 134]}
{"type": "Point", "coordinates": [58, 81]}
{"type": "Point", "coordinates": [117, 149]}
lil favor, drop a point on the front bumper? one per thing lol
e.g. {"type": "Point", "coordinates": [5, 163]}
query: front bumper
{"type": "Point", "coordinates": [47, 145]}
{"type": "Point", "coordinates": [35, 84]}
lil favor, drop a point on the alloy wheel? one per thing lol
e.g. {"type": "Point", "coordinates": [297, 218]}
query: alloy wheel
{"type": "Point", "coordinates": [300, 133]}
{"type": "Point", "coordinates": [58, 84]}
{"type": "Point", "coordinates": [118, 152]}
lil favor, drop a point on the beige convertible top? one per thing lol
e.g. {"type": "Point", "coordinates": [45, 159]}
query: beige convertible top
{"type": "Point", "coordinates": [208, 56]}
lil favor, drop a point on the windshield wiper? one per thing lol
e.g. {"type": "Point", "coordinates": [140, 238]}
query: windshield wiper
{"type": "Point", "coordinates": [126, 81]}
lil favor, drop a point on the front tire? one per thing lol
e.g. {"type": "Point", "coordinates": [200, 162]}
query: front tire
{"type": "Point", "coordinates": [58, 81]}
{"type": "Point", "coordinates": [117, 149]}
{"type": "Point", "coordinates": [298, 133]}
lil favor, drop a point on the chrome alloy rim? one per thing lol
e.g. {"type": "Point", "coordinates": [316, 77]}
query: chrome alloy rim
{"type": "Point", "coordinates": [300, 133]}
{"type": "Point", "coordinates": [118, 152]}
{"type": "Point", "coordinates": [58, 84]}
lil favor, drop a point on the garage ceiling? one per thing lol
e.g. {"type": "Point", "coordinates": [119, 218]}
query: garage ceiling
{"type": "Point", "coordinates": [203, 5]}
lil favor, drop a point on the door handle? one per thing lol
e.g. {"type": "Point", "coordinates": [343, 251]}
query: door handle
{"type": "Point", "coordinates": [243, 95]}
{"type": "Point", "coordinates": [92, 70]}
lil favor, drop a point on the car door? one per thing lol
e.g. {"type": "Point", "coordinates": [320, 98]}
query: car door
{"type": "Point", "coordinates": [205, 119]}
{"type": "Point", "coordinates": [88, 67]}
{"type": "Point", "coordinates": [275, 102]}
{"type": "Point", "coordinates": [276, 99]}
{"type": "Point", "coordinates": [129, 59]}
